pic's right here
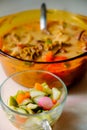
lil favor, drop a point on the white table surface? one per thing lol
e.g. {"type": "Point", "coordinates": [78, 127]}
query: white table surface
{"type": "Point", "coordinates": [74, 116]}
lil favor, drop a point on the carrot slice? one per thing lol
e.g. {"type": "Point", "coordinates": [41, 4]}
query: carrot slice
{"type": "Point", "coordinates": [58, 58]}
{"type": "Point", "coordinates": [57, 66]}
{"type": "Point", "coordinates": [48, 56]}
{"type": "Point", "coordinates": [20, 97]}
{"type": "Point", "coordinates": [27, 95]}
{"type": "Point", "coordinates": [38, 86]}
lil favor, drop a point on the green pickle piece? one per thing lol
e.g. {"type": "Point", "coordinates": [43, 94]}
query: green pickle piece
{"type": "Point", "coordinates": [21, 110]}
{"type": "Point", "coordinates": [35, 93]}
{"type": "Point", "coordinates": [46, 88]}
{"type": "Point", "coordinates": [26, 101]}
{"type": "Point", "coordinates": [55, 94]}
{"type": "Point", "coordinates": [32, 106]}
{"type": "Point", "coordinates": [12, 101]}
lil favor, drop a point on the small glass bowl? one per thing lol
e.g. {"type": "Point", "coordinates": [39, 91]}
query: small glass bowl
{"type": "Point", "coordinates": [23, 81]}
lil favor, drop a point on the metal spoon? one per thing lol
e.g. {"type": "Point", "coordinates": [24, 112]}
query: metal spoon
{"type": "Point", "coordinates": [43, 19]}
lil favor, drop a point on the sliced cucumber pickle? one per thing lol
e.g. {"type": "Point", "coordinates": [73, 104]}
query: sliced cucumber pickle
{"type": "Point", "coordinates": [12, 101]}
{"type": "Point", "coordinates": [55, 94]}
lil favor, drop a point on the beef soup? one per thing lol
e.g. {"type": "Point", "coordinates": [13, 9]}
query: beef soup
{"type": "Point", "coordinates": [28, 42]}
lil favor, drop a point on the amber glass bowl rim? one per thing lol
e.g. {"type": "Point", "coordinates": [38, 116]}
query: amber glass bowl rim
{"type": "Point", "coordinates": [43, 62]}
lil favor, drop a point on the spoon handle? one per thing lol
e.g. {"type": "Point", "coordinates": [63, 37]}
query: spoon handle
{"type": "Point", "coordinates": [46, 125]}
{"type": "Point", "coordinates": [43, 17]}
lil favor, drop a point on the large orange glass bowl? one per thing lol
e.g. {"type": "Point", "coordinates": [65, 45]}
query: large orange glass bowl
{"type": "Point", "coordinates": [11, 64]}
